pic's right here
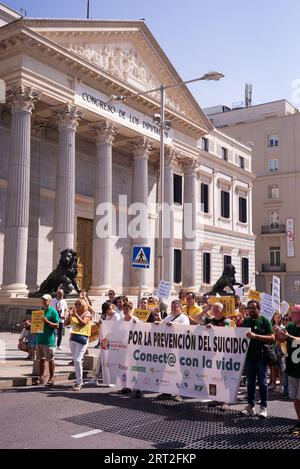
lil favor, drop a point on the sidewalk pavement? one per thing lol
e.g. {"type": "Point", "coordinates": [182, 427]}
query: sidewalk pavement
{"type": "Point", "coordinates": [15, 370]}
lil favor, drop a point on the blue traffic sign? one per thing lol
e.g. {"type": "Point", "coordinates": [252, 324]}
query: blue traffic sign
{"type": "Point", "coordinates": [141, 257]}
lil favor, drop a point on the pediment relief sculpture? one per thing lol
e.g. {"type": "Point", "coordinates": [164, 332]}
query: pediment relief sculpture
{"type": "Point", "coordinates": [124, 63]}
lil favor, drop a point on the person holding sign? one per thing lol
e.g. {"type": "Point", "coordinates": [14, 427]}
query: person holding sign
{"type": "Point", "coordinates": [291, 335]}
{"type": "Point", "coordinates": [256, 364]}
{"type": "Point", "coordinates": [80, 325]}
{"type": "Point", "coordinates": [45, 341]}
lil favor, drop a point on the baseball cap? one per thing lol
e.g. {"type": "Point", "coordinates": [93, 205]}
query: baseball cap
{"type": "Point", "coordinates": [47, 297]}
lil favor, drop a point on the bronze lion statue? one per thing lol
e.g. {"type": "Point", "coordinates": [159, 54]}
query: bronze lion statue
{"type": "Point", "coordinates": [226, 280]}
{"type": "Point", "coordinates": [63, 276]}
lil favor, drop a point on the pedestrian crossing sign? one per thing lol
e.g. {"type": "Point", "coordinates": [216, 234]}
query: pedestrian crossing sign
{"type": "Point", "coordinates": [141, 257]}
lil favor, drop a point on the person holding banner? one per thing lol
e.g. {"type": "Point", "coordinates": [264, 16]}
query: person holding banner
{"type": "Point", "coordinates": [291, 335]}
{"type": "Point", "coordinates": [128, 316]}
{"type": "Point", "coordinates": [45, 341]}
{"type": "Point", "coordinates": [256, 364]}
{"type": "Point", "coordinates": [191, 309]}
{"type": "Point", "coordinates": [61, 307]}
{"type": "Point", "coordinates": [80, 325]}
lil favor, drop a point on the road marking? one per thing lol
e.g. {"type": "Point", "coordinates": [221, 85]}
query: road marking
{"type": "Point", "coordinates": [82, 435]}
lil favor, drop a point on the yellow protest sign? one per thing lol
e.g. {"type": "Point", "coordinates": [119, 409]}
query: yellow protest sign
{"type": "Point", "coordinates": [254, 295]}
{"type": "Point", "coordinates": [37, 324]}
{"type": "Point", "coordinates": [95, 329]}
{"type": "Point", "coordinates": [227, 301]}
{"type": "Point", "coordinates": [142, 314]}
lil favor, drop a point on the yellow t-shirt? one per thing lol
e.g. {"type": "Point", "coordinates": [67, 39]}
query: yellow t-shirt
{"type": "Point", "coordinates": [76, 328]}
{"type": "Point", "coordinates": [192, 311]}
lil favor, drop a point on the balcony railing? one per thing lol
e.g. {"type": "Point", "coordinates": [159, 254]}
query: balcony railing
{"type": "Point", "coordinates": [273, 268]}
{"type": "Point", "coordinates": [273, 228]}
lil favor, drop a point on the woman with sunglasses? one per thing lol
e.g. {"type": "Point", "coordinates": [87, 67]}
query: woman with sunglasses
{"type": "Point", "coordinates": [80, 325]}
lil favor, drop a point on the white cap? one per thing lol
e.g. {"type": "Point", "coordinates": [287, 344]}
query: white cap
{"type": "Point", "coordinates": [47, 297]}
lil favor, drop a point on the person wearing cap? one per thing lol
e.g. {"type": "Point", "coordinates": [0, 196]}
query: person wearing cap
{"type": "Point", "coordinates": [45, 341]}
{"type": "Point", "coordinates": [291, 335]}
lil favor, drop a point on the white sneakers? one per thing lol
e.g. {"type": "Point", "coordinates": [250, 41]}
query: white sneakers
{"type": "Point", "coordinates": [263, 412]}
{"type": "Point", "coordinates": [249, 410]}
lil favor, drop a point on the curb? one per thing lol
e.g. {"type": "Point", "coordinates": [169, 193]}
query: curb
{"type": "Point", "coordinates": [27, 380]}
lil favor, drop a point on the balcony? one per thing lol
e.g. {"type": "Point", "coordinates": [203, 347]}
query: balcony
{"type": "Point", "coordinates": [273, 268]}
{"type": "Point", "coordinates": [273, 228]}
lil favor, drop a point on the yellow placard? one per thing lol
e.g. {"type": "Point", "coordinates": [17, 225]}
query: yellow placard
{"type": "Point", "coordinates": [227, 301]}
{"type": "Point", "coordinates": [77, 328]}
{"type": "Point", "coordinates": [95, 330]}
{"type": "Point", "coordinates": [36, 324]}
{"type": "Point", "coordinates": [142, 314]}
{"type": "Point", "coordinates": [254, 295]}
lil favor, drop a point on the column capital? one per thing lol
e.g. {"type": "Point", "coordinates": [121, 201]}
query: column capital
{"type": "Point", "coordinates": [141, 147]}
{"type": "Point", "coordinates": [105, 130]}
{"type": "Point", "coordinates": [68, 116]}
{"type": "Point", "coordinates": [190, 165]}
{"type": "Point", "coordinates": [171, 157]}
{"type": "Point", "coordinates": [22, 98]}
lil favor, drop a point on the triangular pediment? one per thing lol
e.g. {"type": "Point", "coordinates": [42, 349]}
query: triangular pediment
{"type": "Point", "coordinates": [126, 50]}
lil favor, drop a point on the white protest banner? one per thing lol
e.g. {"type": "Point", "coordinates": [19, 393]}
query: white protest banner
{"type": "Point", "coordinates": [164, 290]}
{"type": "Point", "coordinates": [194, 361]}
{"type": "Point", "coordinates": [284, 307]}
{"type": "Point", "coordinates": [266, 306]}
{"type": "Point", "coordinates": [276, 293]}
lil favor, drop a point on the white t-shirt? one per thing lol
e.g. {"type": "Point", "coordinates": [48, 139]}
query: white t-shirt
{"type": "Point", "coordinates": [114, 317]}
{"type": "Point", "coordinates": [120, 313]}
{"type": "Point", "coordinates": [180, 319]}
{"type": "Point", "coordinates": [133, 319]}
{"type": "Point", "coordinates": [24, 333]}
{"type": "Point", "coordinates": [61, 307]}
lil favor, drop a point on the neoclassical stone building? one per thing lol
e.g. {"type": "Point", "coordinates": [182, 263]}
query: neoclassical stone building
{"type": "Point", "coordinates": [66, 148]}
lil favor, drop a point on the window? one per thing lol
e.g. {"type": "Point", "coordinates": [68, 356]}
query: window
{"type": "Point", "coordinates": [205, 144]}
{"type": "Point", "coordinates": [227, 260]}
{"type": "Point", "coordinates": [177, 189]}
{"type": "Point", "coordinates": [273, 165]}
{"type": "Point", "coordinates": [225, 202]}
{"type": "Point", "coordinates": [204, 198]}
{"type": "Point", "coordinates": [274, 252]}
{"type": "Point", "coordinates": [177, 265]}
{"type": "Point", "coordinates": [206, 267]}
{"type": "Point", "coordinates": [273, 191]}
{"type": "Point", "coordinates": [245, 270]}
{"type": "Point", "coordinates": [242, 162]}
{"type": "Point", "coordinates": [272, 140]}
{"type": "Point", "coordinates": [242, 210]}
{"type": "Point", "coordinates": [224, 153]}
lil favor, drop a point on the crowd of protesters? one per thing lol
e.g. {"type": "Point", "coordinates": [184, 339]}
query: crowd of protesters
{"type": "Point", "coordinates": [279, 338]}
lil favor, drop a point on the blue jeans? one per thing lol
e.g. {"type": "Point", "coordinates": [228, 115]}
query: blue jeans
{"type": "Point", "coordinates": [285, 384]}
{"type": "Point", "coordinates": [257, 368]}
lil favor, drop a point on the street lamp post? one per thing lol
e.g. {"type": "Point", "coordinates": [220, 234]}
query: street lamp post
{"type": "Point", "coordinates": [164, 126]}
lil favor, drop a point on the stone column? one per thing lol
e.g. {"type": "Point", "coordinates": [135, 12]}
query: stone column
{"type": "Point", "coordinates": [22, 99]}
{"type": "Point", "coordinates": [37, 131]}
{"type": "Point", "coordinates": [139, 230]}
{"type": "Point", "coordinates": [189, 227]}
{"type": "Point", "coordinates": [168, 241]}
{"type": "Point", "coordinates": [64, 213]}
{"type": "Point", "coordinates": [102, 231]}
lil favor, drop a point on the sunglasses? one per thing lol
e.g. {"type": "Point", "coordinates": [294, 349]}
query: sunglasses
{"type": "Point", "coordinates": [77, 304]}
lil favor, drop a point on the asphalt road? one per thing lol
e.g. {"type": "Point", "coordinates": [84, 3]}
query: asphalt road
{"type": "Point", "coordinates": [34, 417]}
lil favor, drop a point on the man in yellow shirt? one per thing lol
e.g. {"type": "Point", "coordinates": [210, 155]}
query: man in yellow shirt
{"type": "Point", "coordinates": [191, 309]}
{"type": "Point", "coordinates": [182, 296]}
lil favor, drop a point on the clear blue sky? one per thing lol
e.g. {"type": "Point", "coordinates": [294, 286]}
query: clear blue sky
{"type": "Point", "coordinates": [256, 41]}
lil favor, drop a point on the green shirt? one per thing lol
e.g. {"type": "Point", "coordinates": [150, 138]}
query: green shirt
{"type": "Point", "coordinates": [293, 351]}
{"type": "Point", "coordinates": [48, 336]}
{"type": "Point", "coordinates": [260, 326]}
